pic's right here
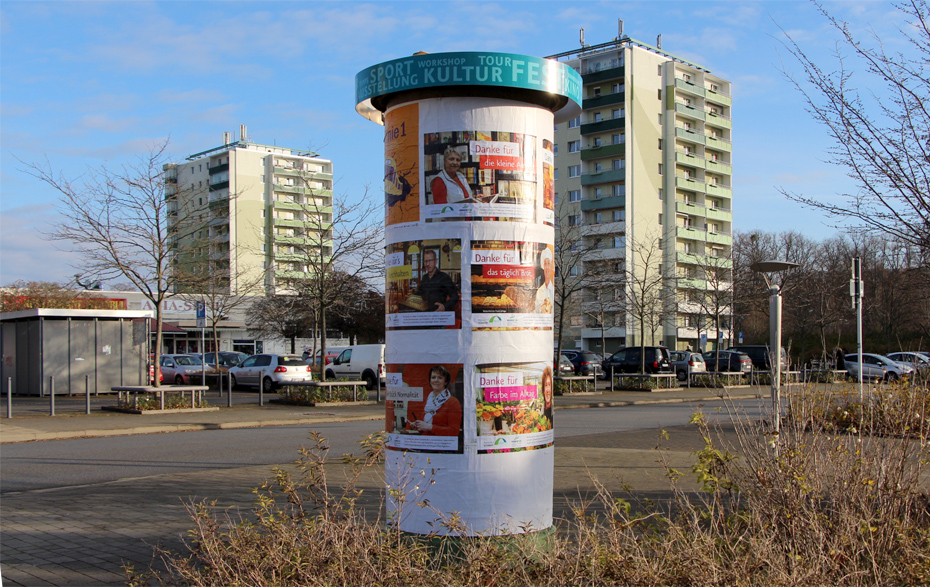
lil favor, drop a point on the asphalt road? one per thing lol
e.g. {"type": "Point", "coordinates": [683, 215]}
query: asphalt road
{"type": "Point", "coordinates": [89, 461]}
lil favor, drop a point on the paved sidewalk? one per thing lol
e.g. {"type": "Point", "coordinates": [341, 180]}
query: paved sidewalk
{"type": "Point", "coordinates": [84, 536]}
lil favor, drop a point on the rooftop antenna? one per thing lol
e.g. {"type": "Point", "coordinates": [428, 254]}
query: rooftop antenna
{"type": "Point", "coordinates": [619, 28]}
{"type": "Point", "coordinates": [581, 37]}
{"type": "Point", "coordinates": [659, 42]}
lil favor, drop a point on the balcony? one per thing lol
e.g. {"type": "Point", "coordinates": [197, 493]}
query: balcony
{"type": "Point", "coordinates": [609, 332]}
{"type": "Point", "coordinates": [692, 233]}
{"type": "Point", "coordinates": [603, 203]}
{"type": "Point", "coordinates": [704, 260]}
{"type": "Point", "coordinates": [606, 176]}
{"type": "Point", "coordinates": [717, 189]}
{"type": "Point", "coordinates": [689, 111]}
{"type": "Point", "coordinates": [692, 283]}
{"type": "Point", "coordinates": [690, 135]}
{"type": "Point", "coordinates": [718, 143]}
{"type": "Point", "coordinates": [218, 169]}
{"type": "Point", "coordinates": [689, 208]}
{"type": "Point", "coordinates": [302, 173]}
{"type": "Point", "coordinates": [719, 166]}
{"type": "Point", "coordinates": [610, 150]}
{"type": "Point", "coordinates": [222, 185]}
{"type": "Point", "coordinates": [605, 228]}
{"type": "Point", "coordinates": [690, 159]}
{"type": "Point", "coordinates": [296, 189]}
{"type": "Point", "coordinates": [720, 238]}
{"type": "Point", "coordinates": [311, 240]}
{"type": "Point", "coordinates": [689, 184]}
{"type": "Point", "coordinates": [688, 87]}
{"type": "Point", "coordinates": [719, 120]}
{"type": "Point", "coordinates": [604, 100]}
{"type": "Point", "coordinates": [604, 126]}
{"type": "Point", "coordinates": [724, 214]}
{"type": "Point", "coordinates": [718, 97]}
{"type": "Point", "coordinates": [308, 208]}
{"type": "Point", "coordinates": [603, 75]}
{"type": "Point", "coordinates": [605, 254]}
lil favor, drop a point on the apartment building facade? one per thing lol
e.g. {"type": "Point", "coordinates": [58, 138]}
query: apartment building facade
{"type": "Point", "coordinates": [644, 179]}
{"type": "Point", "coordinates": [249, 214]}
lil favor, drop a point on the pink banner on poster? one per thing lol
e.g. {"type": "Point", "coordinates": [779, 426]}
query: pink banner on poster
{"type": "Point", "coordinates": [517, 393]}
{"type": "Point", "coordinates": [499, 162]}
{"type": "Point", "coordinates": [509, 272]}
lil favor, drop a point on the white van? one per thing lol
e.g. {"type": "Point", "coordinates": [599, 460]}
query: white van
{"type": "Point", "coordinates": [360, 361]}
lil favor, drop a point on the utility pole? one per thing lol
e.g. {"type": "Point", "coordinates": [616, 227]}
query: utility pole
{"type": "Point", "coordinates": [855, 291]}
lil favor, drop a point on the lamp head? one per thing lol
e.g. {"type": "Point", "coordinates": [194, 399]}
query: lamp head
{"type": "Point", "coordinates": [772, 266]}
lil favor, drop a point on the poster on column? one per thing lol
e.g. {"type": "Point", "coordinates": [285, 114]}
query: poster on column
{"type": "Point", "coordinates": [424, 284]}
{"type": "Point", "coordinates": [548, 171]}
{"type": "Point", "coordinates": [511, 285]}
{"type": "Point", "coordinates": [479, 175]}
{"type": "Point", "coordinates": [514, 407]}
{"type": "Point", "coordinates": [424, 407]}
{"type": "Point", "coordinates": [401, 166]}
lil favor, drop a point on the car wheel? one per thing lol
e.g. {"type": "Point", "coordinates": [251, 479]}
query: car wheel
{"type": "Point", "coordinates": [179, 380]}
{"type": "Point", "coordinates": [330, 375]}
{"type": "Point", "coordinates": [232, 382]}
{"type": "Point", "coordinates": [267, 385]}
{"type": "Point", "coordinates": [891, 377]}
{"type": "Point", "coordinates": [682, 376]}
{"type": "Point", "coordinates": [370, 381]}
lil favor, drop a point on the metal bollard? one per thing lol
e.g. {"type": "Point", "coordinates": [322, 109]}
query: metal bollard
{"type": "Point", "coordinates": [51, 396]}
{"type": "Point", "coordinates": [261, 393]}
{"type": "Point", "coordinates": [87, 394]}
{"type": "Point", "coordinates": [229, 397]}
{"type": "Point", "coordinates": [9, 397]}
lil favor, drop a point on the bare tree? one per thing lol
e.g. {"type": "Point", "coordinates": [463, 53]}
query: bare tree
{"type": "Point", "coordinates": [343, 245]}
{"type": "Point", "coordinates": [715, 298]}
{"type": "Point", "coordinates": [118, 220]}
{"type": "Point", "coordinates": [281, 315]}
{"type": "Point", "coordinates": [874, 105]}
{"type": "Point", "coordinates": [650, 290]}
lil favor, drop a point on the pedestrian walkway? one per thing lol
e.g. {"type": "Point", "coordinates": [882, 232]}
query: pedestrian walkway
{"type": "Point", "coordinates": [76, 536]}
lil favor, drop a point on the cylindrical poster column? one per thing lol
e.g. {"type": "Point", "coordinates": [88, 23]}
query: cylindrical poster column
{"type": "Point", "coordinates": [470, 214]}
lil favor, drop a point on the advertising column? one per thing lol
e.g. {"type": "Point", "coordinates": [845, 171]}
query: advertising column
{"type": "Point", "coordinates": [469, 221]}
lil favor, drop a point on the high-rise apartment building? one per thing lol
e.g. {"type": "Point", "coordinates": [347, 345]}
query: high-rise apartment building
{"type": "Point", "coordinates": [644, 178]}
{"type": "Point", "coordinates": [249, 214]}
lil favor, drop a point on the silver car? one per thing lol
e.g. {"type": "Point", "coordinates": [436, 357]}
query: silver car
{"type": "Point", "coordinates": [918, 360]}
{"type": "Point", "coordinates": [876, 367]}
{"type": "Point", "coordinates": [686, 363]}
{"type": "Point", "coordinates": [270, 372]}
{"type": "Point", "coordinates": [181, 369]}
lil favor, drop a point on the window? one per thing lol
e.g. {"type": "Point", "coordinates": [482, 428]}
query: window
{"type": "Point", "coordinates": [555, 173]}
{"type": "Point", "coordinates": [660, 220]}
{"type": "Point", "coordinates": [660, 70]}
{"type": "Point", "coordinates": [616, 139]}
{"type": "Point", "coordinates": [686, 77]}
{"type": "Point", "coordinates": [574, 146]}
{"type": "Point", "coordinates": [661, 194]}
{"type": "Point", "coordinates": [660, 169]}
{"type": "Point", "coordinates": [619, 190]}
{"type": "Point", "coordinates": [660, 119]}
{"type": "Point", "coordinates": [714, 88]}
{"type": "Point", "coordinates": [619, 242]}
{"type": "Point", "coordinates": [597, 142]}
{"type": "Point", "coordinates": [686, 149]}
{"type": "Point", "coordinates": [616, 88]}
{"type": "Point", "coordinates": [573, 123]}
{"type": "Point", "coordinates": [597, 168]}
{"type": "Point", "coordinates": [660, 93]}
{"type": "Point", "coordinates": [616, 113]}
{"type": "Point", "coordinates": [597, 92]}
{"type": "Point", "coordinates": [660, 144]}
{"type": "Point", "coordinates": [597, 117]}
{"type": "Point", "coordinates": [598, 219]}
{"type": "Point", "coordinates": [618, 164]}
{"type": "Point", "coordinates": [555, 149]}
{"type": "Point", "coordinates": [597, 193]}
{"type": "Point", "coordinates": [574, 220]}
{"type": "Point", "coordinates": [574, 171]}
{"type": "Point", "coordinates": [619, 215]}
{"type": "Point", "coordinates": [686, 125]}
{"type": "Point", "coordinates": [574, 195]}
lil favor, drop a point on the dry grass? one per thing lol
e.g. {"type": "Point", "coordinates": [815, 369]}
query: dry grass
{"type": "Point", "coordinates": [820, 504]}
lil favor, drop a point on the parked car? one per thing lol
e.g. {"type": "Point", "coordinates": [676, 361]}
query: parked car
{"type": "Point", "coordinates": [360, 361]}
{"type": "Point", "coordinates": [181, 369]}
{"type": "Point", "coordinates": [227, 359]}
{"type": "Point", "coordinates": [917, 360]}
{"type": "Point", "coordinates": [585, 362]}
{"type": "Point", "coordinates": [759, 354]}
{"type": "Point", "coordinates": [630, 360]}
{"type": "Point", "coordinates": [877, 367]}
{"type": "Point", "coordinates": [685, 363]}
{"type": "Point", "coordinates": [270, 371]}
{"type": "Point", "coordinates": [727, 362]}
{"type": "Point", "coordinates": [562, 366]}
{"type": "Point", "coordinates": [331, 353]}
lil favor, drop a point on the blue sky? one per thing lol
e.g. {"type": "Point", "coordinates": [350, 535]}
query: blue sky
{"type": "Point", "coordinates": [90, 83]}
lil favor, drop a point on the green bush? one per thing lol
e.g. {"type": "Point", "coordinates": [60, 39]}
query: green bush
{"type": "Point", "coordinates": [306, 394]}
{"type": "Point", "coordinates": [173, 401]}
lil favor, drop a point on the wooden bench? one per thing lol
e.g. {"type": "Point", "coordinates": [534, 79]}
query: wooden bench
{"type": "Point", "coordinates": [571, 378]}
{"type": "Point", "coordinates": [125, 391]}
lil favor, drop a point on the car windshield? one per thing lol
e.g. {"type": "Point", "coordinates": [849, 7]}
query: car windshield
{"type": "Point", "coordinates": [189, 361]}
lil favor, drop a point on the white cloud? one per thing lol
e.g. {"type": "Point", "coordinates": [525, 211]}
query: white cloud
{"type": "Point", "coordinates": [25, 250]}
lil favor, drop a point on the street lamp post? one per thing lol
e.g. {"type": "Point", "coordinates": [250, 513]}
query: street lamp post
{"type": "Point", "coordinates": [764, 267]}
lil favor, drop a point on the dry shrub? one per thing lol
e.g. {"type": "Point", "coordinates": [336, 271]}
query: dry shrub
{"type": "Point", "coordinates": [814, 505]}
